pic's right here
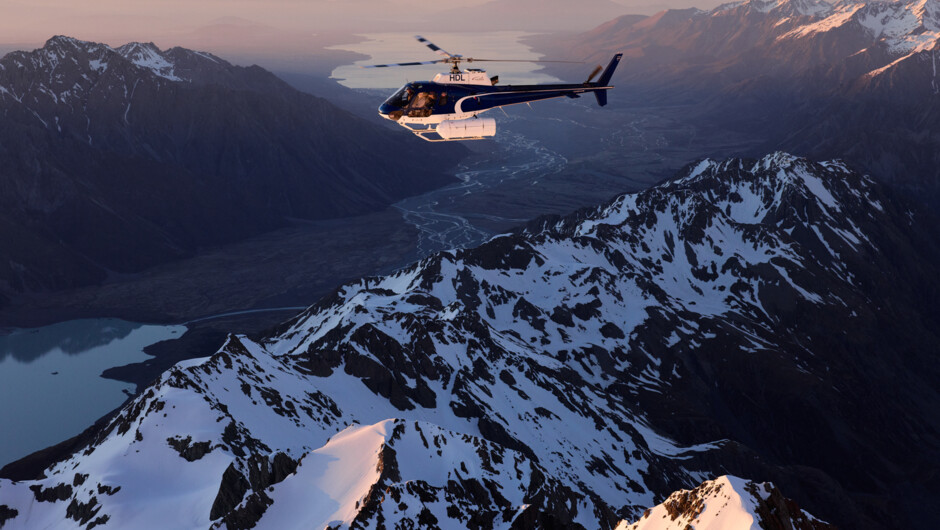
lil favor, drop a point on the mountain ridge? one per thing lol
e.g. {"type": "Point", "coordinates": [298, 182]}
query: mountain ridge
{"type": "Point", "coordinates": [629, 351]}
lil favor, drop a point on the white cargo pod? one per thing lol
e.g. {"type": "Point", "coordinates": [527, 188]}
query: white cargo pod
{"type": "Point", "coordinates": [472, 128]}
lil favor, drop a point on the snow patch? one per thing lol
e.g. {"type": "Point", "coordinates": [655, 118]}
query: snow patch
{"type": "Point", "coordinates": [150, 57]}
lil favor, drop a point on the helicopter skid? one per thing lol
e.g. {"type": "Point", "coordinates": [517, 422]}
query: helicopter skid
{"type": "Point", "coordinates": [431, 129]}
{"type": "Point", "coordinates": [433, 119]}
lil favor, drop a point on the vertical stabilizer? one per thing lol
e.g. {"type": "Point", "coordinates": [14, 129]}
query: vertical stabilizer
{"type": "Point", "coordinates": [609, 71]}
{"type": "Point", "coordinates": [601, 95]}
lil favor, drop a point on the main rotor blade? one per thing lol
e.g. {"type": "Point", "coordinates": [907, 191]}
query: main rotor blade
{"type": "Point", "coordinates": [472, 60]}
{"type": "Point", "coordinates": [435, 48]}
{"type": "Point", "coordinates": [400, 64]}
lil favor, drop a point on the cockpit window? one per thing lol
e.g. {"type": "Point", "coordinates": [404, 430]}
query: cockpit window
{"type": "Point", "coordinates": [416, 100]}
{"type": "Point", "coordinates": [401, 98]}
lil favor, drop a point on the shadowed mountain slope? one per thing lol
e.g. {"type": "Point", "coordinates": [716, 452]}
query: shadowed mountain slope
{"type": "Point", "coordinates": [116, 159]}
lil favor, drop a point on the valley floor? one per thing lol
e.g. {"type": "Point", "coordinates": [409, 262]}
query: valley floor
{"type": "Point", "coordinates": [549, 159]}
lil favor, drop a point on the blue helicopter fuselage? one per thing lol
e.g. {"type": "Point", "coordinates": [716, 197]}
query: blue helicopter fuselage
{"type": "Point", "coordinates": [463, 95]}
{"type": "Point", "coordinates": [449, 97]}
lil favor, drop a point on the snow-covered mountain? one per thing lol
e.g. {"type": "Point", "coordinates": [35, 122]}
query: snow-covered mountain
{"type": "Point", "coordinates": [772, 37]}
{"type": "Point", "coordinates": [724, 503]}
{"type": "Point", "coordinates": [854, 80]}
{"type": "Point", "coordinates": [116, 159]}
{"type": "Point", "coordinates": [753, 317]}
{"type": "Point", "coordinates": [63, 55]}
{"type": "Point", "coordinates": [902, 28]}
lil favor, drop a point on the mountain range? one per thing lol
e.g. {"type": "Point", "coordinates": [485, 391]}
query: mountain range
{"type": "Point", "coordinates": [854, 80]}
{"type": "Point", "coordinates": [113, 160]}
{"type": "Point", "coordinates": [768, 318]}
{"type": "Point", "coordinates": [530, 15]}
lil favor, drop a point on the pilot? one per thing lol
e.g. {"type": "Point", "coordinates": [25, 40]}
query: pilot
{"type": "Point", "coordinates": [421, 101]}
{"type": "Point", "coordinates": [421, 106]}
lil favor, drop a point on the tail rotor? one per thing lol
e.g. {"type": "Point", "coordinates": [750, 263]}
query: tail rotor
{"type": "Point", "coordinates": [598, 69]}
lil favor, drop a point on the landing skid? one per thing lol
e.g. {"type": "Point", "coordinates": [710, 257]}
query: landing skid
{"type": "Point", "coordinates": [431, 129]}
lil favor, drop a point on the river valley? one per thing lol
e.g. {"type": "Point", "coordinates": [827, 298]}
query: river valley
{"type": "Point", "coordinates": [551, 158]}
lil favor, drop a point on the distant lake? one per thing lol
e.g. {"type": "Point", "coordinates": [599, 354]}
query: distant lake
{"type": "Point", "coordinates": [384, 48]}
{"type": "Point", "coordinates": [50, 384]}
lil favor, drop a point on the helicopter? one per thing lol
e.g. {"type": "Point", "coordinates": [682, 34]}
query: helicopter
{"type": "Point", "coordinates": [447, 108]}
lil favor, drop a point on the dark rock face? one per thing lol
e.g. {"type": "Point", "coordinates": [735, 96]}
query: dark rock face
{"type": "Point", "coordinates": [59, 492]}
{"type": "Point", "coordinates": [780, 513]}
{"type": "Point", "coordinates": [120, 159]}
{"type": "Point", "coordinates": [233, 487]}
{"type": "Point", "coordinates": [188, 450]}
{"type": "Point", "coordinates": [236, 513]}
{"type": "Point", "coordinates": [6, 513]}
{"type": "Point", "coordinates": [82, 513]}
{"type": "Point", "coordinates": [768, 318]}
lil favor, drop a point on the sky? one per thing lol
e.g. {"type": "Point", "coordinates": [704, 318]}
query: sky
{"type": "Point", "coordinates": [120, 21]}
{"type": "Point", "coordinates": [298, 36]}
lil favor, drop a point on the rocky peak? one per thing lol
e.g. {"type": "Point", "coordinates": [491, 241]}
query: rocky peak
{"type": "Point", "coordinates": [727, 502]}
{"type": "Point", "coordinates": [51, 80]}
{"type": "Point", "coordinates": [772, 183]}
{"type": "Point", "coordinates": [772, 195]}
{"type": "Point", "coordinates": [138, 50]}
{"type": "Point", "coordinates": [777, 8]}
{"type": "Point", "coordinates": [147, 55]}
{"type": "Point", "coordinates": [58, 52]}
{"type": "Point", "coordinates": [814, 8]}
{"type": "Point", "coordinates": [65, 68]}
{"type": "Point", "coordinates": [66, 44]}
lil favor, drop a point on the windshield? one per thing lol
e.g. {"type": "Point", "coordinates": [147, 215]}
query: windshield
{"type": "Point", "coordinates": [400, 99]}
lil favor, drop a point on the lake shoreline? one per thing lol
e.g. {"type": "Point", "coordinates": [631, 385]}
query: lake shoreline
{"type": "Point", "coordinates": [43, 370]}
